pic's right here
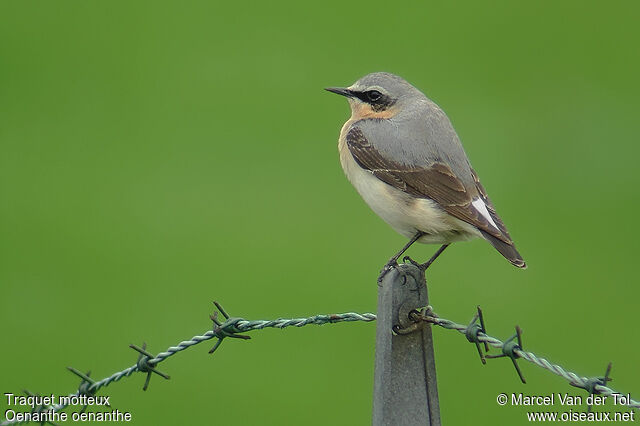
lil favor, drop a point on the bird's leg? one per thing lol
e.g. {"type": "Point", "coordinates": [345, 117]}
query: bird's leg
{"type": "Point", "coordinates": [393, 262]}
{"type": "Point", "coordinates": [425, 265]}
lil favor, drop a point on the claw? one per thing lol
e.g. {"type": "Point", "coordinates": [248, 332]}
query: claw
{"type": "Point", "coordinates": [389, 266]}
{"type": "Point", "coordinates": [413, 262]}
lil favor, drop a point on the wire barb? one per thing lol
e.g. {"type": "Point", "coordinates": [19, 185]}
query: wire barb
{"type": "Point", "coordinates": [510, 349]}
{"type": "Point", "coordinates": [85, 385]}
{"type": "Point", "coordinates": [472, 332]}
{"type": "Point", "coordinates": [594, 385]}
{"type": "Point", "coordinates": [40, 409]}
{"type": "Point", "coordinates": [227, 329]}
{"type": "Point", "coordinates": [146, 364]}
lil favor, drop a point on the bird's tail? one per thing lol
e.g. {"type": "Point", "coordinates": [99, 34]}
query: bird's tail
{"type": "Point", "coordinates": [507, 250]}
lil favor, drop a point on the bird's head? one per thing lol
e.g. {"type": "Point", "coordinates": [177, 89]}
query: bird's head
{"type": "Point", "coordinates": [378, 95]}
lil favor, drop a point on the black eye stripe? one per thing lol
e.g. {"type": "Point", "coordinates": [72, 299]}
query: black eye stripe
{"type": "Point", "coordinates": [371, 97]}
{"type": "Point", "coordinates": [377, 100]}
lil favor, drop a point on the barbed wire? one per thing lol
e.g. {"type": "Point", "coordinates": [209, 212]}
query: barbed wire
{"type": "Point", "coordinates": [476, 333]}
{"type": "Point", "coordinates": [232, 327]}
{"type": "Point", "coordinates": [147, 362]}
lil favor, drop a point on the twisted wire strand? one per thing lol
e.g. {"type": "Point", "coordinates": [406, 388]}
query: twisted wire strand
{"type": "Point", "coordinates": [242, 326]}
{"type": "Point", "coordinates": [300, 322]}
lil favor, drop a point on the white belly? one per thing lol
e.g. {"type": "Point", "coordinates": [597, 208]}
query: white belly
{"type": "Point", "coordinates": [405, 213]}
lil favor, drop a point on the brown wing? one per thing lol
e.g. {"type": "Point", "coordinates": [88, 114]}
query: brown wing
{"type": "Point", "coordinates": [436, 181]}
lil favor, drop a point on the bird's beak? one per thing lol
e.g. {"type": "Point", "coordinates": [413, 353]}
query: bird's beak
{"type": "Point", "coordinates": [340, 91]}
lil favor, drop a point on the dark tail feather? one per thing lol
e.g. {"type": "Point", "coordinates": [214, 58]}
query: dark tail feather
{"type": "Point", "coordinates": [507, 250]}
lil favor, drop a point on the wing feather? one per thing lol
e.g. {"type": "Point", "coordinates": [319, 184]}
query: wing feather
{"type": "Point", "coordinates": [435, 181]}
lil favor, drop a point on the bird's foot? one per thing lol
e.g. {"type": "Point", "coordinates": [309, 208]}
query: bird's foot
{"type": "Point", "coordinates": [423, 266]}
{"type": "Point", "coordinates": [391, 264]}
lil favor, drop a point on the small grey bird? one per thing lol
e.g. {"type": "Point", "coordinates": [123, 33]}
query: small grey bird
{"type": "Point", "coordinates": [401, 153]}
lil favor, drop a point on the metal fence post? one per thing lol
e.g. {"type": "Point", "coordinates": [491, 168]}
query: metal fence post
{"type": "Point", "coordinates": [405, 387]}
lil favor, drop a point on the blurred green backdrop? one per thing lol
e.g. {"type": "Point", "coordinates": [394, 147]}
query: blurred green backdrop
{"type": "Point", "coordinates": [155, 156]}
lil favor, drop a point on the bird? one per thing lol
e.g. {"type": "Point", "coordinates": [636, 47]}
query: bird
{"type": "Point", "coordinates": [401, 153]}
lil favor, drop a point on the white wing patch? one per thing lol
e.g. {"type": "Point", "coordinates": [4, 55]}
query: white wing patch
{"type": "Point", "coordinates": [479, 205]}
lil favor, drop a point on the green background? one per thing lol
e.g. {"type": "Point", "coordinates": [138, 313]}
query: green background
{"type": "Point", "coordinates": [156, 156]}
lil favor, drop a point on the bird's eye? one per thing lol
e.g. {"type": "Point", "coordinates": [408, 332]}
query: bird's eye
{"type": "Point", "coordinates": [374, 95]}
